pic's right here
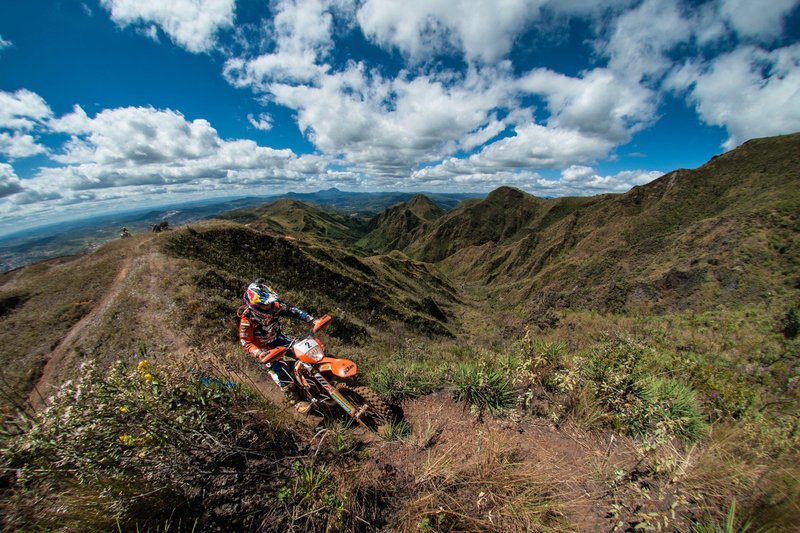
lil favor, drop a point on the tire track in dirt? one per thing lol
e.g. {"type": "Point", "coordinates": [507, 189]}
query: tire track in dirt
{"type": "Point", "coordinates": [76, 334]}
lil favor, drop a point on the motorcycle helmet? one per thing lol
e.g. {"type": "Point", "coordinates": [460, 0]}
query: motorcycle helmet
{"type": "Point", "coordinates": [260, 299]}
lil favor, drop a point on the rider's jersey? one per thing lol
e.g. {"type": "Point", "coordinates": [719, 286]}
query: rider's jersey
{"type": "Point", "coordinates": [255, 336]}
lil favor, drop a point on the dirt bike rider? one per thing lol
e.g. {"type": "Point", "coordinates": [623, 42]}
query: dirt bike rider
{"type": "Point", "coordinates": [260, 336]}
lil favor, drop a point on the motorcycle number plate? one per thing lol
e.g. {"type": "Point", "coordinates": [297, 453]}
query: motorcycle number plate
{"type": "Point", "coordinates": [309, 348]}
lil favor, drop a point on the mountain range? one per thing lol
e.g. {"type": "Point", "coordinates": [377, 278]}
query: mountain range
{"type": "Point", "coordinates": [724, 233]}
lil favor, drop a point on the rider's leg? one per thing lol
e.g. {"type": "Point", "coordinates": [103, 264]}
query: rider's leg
{"type": "Point", "coordinates": [281, 372]}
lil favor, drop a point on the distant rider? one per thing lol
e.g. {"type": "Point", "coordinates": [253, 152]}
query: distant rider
{"type": "Point", "coordinates": [261, 337]}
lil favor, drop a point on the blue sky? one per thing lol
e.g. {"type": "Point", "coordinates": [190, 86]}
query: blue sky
{"type": "Point", "coordinates": [111, 104]}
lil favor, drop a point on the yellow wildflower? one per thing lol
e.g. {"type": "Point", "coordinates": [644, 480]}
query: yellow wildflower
{"type": "Point", "coordinates": [143, 366]}
{"type": "Point", "coordinates": [148, 377]}
{"type": "Point", "coordinates": [127, 440]}
{"type": "Point", "coordinates": [123, 409]}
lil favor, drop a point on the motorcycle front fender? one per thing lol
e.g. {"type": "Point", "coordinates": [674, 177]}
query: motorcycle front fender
{"type": "Point", "coordinates": [343, 368]}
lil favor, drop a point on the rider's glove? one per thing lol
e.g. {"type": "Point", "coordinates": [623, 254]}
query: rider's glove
{"type": "Point", "coordinates": [267, 356]}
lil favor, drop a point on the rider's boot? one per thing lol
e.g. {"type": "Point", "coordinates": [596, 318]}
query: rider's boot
{"type": "Point", "coordinates": [292, 396]}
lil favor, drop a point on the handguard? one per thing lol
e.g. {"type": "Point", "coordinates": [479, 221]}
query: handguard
{"type": "Point", "coordinates": [322, 322]}
{"type": "Point", "coordinates": [268, 357]}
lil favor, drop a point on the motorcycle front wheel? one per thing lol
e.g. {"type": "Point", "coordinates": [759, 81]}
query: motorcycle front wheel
{"type": "Point", "coordinates": [378, 413]}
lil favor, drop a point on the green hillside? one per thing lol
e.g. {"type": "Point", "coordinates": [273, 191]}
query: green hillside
{"type": "Point", "coordinates": [724, 233]}
{"type": "Point", "coordinates": [397, 226]}
{"type": "Point", "coordinates": [318, 277]}
{"type": "Point", "coordinates": [300, 220]}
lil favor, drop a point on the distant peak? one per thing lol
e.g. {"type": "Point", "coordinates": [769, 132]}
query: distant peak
{"type": "Point", "coordinates": [287, 202]}
{"type": "Point", "coordinates": [424, 207]}
{"type": "Point", "coordinates": [506, 193]}
{"type": "Point", "coordinates": [420, 199]}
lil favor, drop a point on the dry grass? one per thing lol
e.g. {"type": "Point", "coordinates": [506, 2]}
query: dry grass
{"type": "Point", "coordinates": [734, 466]}
{"type": "Point", "coordinates": [488, 490]}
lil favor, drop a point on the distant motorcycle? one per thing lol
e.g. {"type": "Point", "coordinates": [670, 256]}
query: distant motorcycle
{"type": "Point", "coordinates": [323, 382]}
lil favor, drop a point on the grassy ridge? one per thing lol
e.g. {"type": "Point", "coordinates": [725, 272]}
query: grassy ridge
{"type": "Point", "coordinates": [396, 227]}
{"type": "Point", "coordinates": [39, 305]}
{"type": "Point", "coordinates": [290, 217]}
{"type": "Point", "coordinates": [320, 278]}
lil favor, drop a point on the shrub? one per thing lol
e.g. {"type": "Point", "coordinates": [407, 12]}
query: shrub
{"type": "Point", "coordinates": [538, 360]}
{"type": "Point", "coordinates": [137, 448]}
{"type": "Point", "coordinates": [638, 403]}
{"type": "Point", "coordinates": [672, 409]}
{"type": "Point", "coordinates": [618, 374]}
{"type": "Point", "coordinates": [483, 388]}
{"type": "Point", "coordinates": [791, 324]}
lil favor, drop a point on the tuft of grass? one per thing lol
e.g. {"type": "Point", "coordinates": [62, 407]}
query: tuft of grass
{"type": "Point", "coordinates": [405, 380]}
{"type": "Point", "coordinates": [672, 409]}
{"type": "Point", "coordinates": [396, 430]}
{"type": "Point", "coordinates": [730, 525]}
{"type": "Point", "coordinates": [338, 439]}
{"type": "Point", "coordinates": [483, 388]}
{"type": "Point", "coordinates": [311, 500]}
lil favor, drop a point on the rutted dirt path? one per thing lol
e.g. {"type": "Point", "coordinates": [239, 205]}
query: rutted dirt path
{"type": "Point", "coordinates": [76, 334]}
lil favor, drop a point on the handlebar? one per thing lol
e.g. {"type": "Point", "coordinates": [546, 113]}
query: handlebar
{"type": "Point", "coordinates": [274, 353]}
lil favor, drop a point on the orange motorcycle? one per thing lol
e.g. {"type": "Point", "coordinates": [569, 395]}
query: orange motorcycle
{"type": "Point", "coordinates": [323, 382]}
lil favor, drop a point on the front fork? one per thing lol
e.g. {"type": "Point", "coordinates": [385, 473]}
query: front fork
{"type": "Point", "coordinates": [338, 398]}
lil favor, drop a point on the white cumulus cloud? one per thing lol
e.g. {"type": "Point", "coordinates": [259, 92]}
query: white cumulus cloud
{"type": "Point", "coordinates": [387, 125]}
{"type": "Point", "coordinates": [9, 182]}
{"type": "Point", "coordinates": [302, 36]}
{"type": "Point", "coordinates": [599, 103]}
{"type": "Point", "coordinates": [582, 180]}
{"type": "Point", "coordinates": [19, 145]}
{"type": "Point", "coordinates": [760, 20]}
{"type": "Point", "coordinates": [191, 24]}
{"type": "Point", "coordinates": [750, 91]}
{"type": "Point", "coordinates": [262, 122]}
{"type": "Point", "coordinates": [22, 110]}
{"type": "Point", "coordinates": [641, 38]}
{"type": "Point", "coordinates": [483, 30]}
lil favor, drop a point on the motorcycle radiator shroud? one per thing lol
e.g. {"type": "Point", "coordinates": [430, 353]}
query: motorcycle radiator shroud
{"type": "Point", "coordinates": [310, 350]}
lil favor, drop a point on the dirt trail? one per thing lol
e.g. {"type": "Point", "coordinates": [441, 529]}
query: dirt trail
{"type": "Point", "coordinates": [574, 465]}
{"type": "Point", "coordinates": [75, 335]}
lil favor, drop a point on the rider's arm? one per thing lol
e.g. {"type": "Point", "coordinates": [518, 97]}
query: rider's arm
{"type": "Point", "coordinates": [249, 344]}
{"type": "Point", "coordinates": [293, 312]}
{"type": "Point", "coordinates": [247, 337]}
